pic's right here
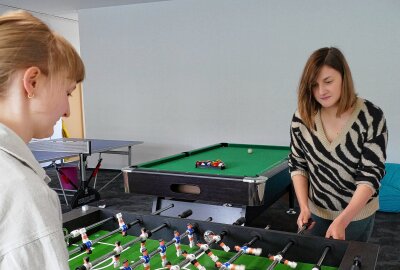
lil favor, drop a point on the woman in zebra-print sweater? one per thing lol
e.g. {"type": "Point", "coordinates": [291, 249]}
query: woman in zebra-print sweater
{"type": "Point", "coordinates": [338, 150]}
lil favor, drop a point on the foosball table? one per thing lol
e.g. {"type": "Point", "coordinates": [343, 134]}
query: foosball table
{"type": "Point", "coordinates": [107, 239]}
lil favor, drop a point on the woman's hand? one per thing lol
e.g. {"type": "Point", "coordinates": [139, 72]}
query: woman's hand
{"type": "Point", "coordinates": [337, 230]}
{"type": "Point", "coordinates": [300, 183]}
{"type": "Point", "coordinates": [360, 198]}
{"type": "Point", "coordinates": [304, 218]}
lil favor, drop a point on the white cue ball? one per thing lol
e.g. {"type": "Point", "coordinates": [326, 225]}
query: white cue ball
{"type": "Point", "coordinates": [249, 150]}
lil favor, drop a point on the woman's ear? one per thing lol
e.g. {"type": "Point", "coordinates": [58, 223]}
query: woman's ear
{"type": "Point", "coordinates": [30, 80]}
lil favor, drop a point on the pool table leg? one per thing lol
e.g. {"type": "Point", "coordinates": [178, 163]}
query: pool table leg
{"type": "Point", "coordinates": [291, 210]}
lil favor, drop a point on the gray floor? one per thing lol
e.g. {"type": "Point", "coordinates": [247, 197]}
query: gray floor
{"type": "Point", "coordinates": [386, 230]}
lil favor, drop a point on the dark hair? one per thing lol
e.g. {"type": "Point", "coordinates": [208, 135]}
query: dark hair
{"type": "Point", "coordinates": [307, 105]}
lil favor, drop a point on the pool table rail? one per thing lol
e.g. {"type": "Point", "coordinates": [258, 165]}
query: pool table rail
{"type": "Point", "coordinates": [177, 185]}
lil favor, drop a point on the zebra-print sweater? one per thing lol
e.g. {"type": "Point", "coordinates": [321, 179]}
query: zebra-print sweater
{"type": "Point", "coordinates": [334, 169]}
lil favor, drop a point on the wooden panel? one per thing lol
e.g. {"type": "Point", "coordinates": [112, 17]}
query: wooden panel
{"type": "Point", "coordinates": [74, 124]}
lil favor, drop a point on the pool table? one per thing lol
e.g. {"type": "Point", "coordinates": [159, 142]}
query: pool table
{"type": "Point", "coordinates": [254, 177]}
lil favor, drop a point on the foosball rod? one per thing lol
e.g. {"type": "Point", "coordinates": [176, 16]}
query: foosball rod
{"type": "Point", "coordinates": [241, 251]}
{"type": "Point", "coordinates": [130, 243]}
{"type": "Point", "coordinates": [199, 251]}
{"type": "Point", "coordinates": [112, 253]}
{"type": "Point", "coordinates": [304, 227]}
{"type": "Point", "coordinates": [184, 214]}
{"type": "Point", "coordinates": [156, 251]}
{"type": "Point", "coordinates": [187, 261]}
{"type": "Point", "coordinates": [91, 226]}
{"type": "Point", "coordinates": [83, 247]}
{"type": "Point", "coordinates": [113, 218]}
{"type": "Point", "coordinates": [356, 263]}
{"type": "Point", "coordinates": [282, 253]}
{"type": "Point", "coordinates": [240, 221]}
{"type": "Point", "coordinates": [163, 209]}
{"type": "Point", "coordinates": [317, 266]}
{"type": "Point", "coordinates": [288, 245]}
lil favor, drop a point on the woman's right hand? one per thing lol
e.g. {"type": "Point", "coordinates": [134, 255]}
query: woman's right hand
{"type": "Point", "coordinates": [304, 218]}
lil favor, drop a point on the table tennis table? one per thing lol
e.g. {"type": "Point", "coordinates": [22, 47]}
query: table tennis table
{"type": "Point", "coordinates": [52, 150]}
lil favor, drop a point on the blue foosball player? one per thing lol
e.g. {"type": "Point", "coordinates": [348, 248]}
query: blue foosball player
{"type": "Point", "coordinates": [122, 224]}
{"type": "Point", "coordinates": [163, 252]}
{"type": "Point", "coordinates": [85, 239]}
{"type": "Point", "coordinates": [146, 260]}
{"type": "Point", "coordinates": [177, 239]}
{"type": "Point", "coordinates": [190, 232]}
{"type": "Point", "coordinates": [125, 265]}
{"type": "Point", "coordinates": [229, 266]}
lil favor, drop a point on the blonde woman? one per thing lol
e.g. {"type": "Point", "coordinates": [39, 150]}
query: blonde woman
{"type": "Point", "coordinates": [338, 150]}
{"type": "Point", "coordinates": [38, 72]}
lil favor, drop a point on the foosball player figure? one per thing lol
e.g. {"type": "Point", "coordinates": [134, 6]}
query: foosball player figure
{"type": "Point", "coordinates": [177, 239]}
{"type": "Point", "coordinates": [74, 234]}
{"type": "Point", "coordinates": [172, 267]}
{"type": "Point", "coordinates": [146, 260]}
{"type": "Point", "coordinates": [143, 237]}
{"type": "Point", "coordinates": [190, 232]}
{"type": "Point", "coordinates": [217, 239]}
{"type": "Point", "coordinates": [142, 246]}
{"type": "Point", "coordinates": [86, 242]}
{"type": "Point", "coordinates": [208, 251]}
{"type": "Point", "coordinates": [117, 250]}
{"type": "Point", "coordinates": [122, 225]}
{"type": "Point", "coordinates": [163, 252]}
{"type": "Point", "coordinates": [280, 259]}
{"type": "Point", "coordinates": [66, 237]}
{"type": "Point", "coordinates": [249, 250]}
{"type": "Point", "coordinates": [86, 263]}
{"type": "Point", "coordinates": [125, 265]}
{"type": "Point", "coordinates": [193, 260]}
{"type": "Point", "coordinates": [229, 266]}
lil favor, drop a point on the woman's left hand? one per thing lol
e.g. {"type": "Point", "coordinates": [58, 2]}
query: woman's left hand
{"type": "Point", "coordinates": [337, 230]}
{"type": "Point", "coordinates": [360, 198]}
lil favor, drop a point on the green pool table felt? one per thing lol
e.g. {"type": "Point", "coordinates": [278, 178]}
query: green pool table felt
{"type": "Point", "coordinates": [237, 160]}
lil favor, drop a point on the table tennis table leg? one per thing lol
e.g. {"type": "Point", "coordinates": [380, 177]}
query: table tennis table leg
{"type": "Point", "coordinates": [129, 155]}
{"type": "Point", "coordinates": [82, 166]}
{"type": "Point", "coordinates": [85, 193]}
{"type": "Point", "coordinates": [95, 178]}
{"type": "Point", "coordinates": [291, 210]}
{"type": "Point", "coordinates": [59, 180]}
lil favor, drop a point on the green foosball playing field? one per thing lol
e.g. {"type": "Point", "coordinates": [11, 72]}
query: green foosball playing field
{"type": "Point", "coordinates": [133, 255]}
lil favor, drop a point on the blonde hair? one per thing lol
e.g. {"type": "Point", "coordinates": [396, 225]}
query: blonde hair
{"type": "Point", "coordinates": [27, 41]}
{"type": "Point", "coordinates": [307, 105]}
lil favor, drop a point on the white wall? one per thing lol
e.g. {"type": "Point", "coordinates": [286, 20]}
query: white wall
{"type": "Point", "coordinates": [184, 74]}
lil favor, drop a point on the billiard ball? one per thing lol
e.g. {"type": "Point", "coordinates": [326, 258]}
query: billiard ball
{"type": "Point", "coordinates": [249, 150]}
